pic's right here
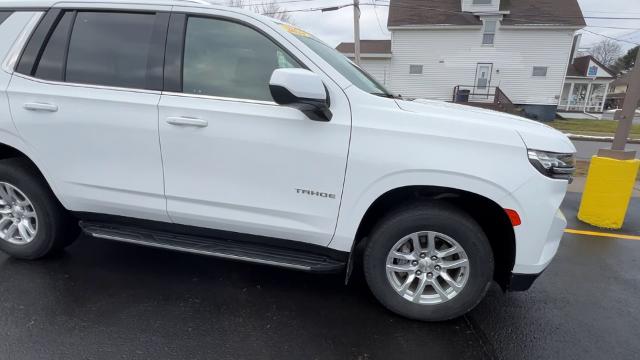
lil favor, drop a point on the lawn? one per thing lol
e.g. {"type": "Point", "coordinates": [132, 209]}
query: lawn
{"type": "Point", "coordinates": [592, 127]}
{"type": "Point", "coordinates": [582, 169]}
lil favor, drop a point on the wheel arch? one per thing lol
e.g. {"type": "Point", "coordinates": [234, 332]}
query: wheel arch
{"type": "Point", "coordinates": [13, 150]}
{"type": "Point", "coordinates": [489, 215]}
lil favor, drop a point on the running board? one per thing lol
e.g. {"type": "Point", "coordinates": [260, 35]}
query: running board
{"type": "Point", "coordinates": [220, 248]}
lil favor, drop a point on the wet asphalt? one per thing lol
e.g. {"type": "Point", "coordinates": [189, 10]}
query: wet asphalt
{"type": "Point", "coordinates": [105, 300]}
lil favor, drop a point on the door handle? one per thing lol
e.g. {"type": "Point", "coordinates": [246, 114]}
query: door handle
{"type": "Point", "coordinates": [187, 121]}
{"type": "Point", "coordinates": [36, 106]}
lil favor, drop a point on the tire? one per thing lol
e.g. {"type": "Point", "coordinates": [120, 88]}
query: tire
{"type": "Point", "coordinates": [54, 228]}
{"type": "Point", "coordinates": [446, 224]}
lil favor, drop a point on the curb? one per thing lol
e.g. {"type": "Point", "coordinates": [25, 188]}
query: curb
{"type": "Point", "coordinates": [598, 138]}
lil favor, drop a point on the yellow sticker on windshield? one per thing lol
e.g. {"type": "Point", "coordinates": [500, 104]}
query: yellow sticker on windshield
{"type": "Point", "coordinates": [295, 31]}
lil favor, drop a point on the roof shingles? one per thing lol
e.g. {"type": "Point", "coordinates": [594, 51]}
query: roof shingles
{"type": "Point", "coordinates": [367, 47]}
{"type": "Point", "coordinates": [449, 12]}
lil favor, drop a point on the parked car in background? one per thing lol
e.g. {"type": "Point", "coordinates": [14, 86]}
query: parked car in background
{"type": "Point", "coordinates": [214, 131]}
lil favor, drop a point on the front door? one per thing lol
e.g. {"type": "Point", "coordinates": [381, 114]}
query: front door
{"type": "Point", "coordinates": [233, 159]}
{"type": "Point", "coordinates": [483, 79]}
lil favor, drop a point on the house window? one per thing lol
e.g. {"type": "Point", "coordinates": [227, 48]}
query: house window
{"type": "Point", "coordinates": [415, 69]}
{"type": "Point", "coordinates": [482, 2]}
{"type": "Point", "coordinates": [489, 33]}
{"type": "Point", "coordinates": [539, 71]}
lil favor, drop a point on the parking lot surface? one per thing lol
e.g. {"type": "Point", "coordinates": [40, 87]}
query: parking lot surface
{"type": "Point", "coordinates": [105, 300]}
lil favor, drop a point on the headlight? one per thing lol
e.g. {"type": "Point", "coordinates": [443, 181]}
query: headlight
{"type": "Point", "coordinates": [554, 165]}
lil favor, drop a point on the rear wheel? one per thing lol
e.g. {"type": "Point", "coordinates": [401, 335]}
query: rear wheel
{"type": "Point", "coordinates": [33, 224]}
{"type": "Point", "coordinates": [429, 262]}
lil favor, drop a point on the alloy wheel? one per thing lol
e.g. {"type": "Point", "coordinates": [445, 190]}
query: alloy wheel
{"type": "Point", "coordinates": [427, 267]}
{"type": "Point", "coordinates": [18, 220]}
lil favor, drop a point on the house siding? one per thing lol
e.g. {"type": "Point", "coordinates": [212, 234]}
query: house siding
{"type": "Point", "coordinates": [468, 5]}
{"type": "Point", "coordinates": [450, 56]}
{"type": "Point", "coordinates": [380, 69]}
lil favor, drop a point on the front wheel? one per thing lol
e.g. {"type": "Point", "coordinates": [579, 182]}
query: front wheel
{"type": "Point", "coordinates": [429, 262]}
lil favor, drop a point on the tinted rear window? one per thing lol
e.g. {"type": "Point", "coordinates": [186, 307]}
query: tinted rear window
{"type": "Point", "coordinates": [4, 15]}
{"type": "Point", "coordinates": [110, 49]}
{"type": "Point", "coordinates": [51, 65]}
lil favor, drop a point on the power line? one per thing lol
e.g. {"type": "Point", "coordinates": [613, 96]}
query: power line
{"type": "Point", "coordinates": [613, 27]}
{"type": "Point", "coordinates": [337, 7]}
{"type": "Point", "coordinates": [611, 38]}
{"type": "Point", "coordinates": [375, 10]}
{"type": "Point", "coordinates": [538, 16]}
{"type": "Point", "coordinates": [513, 19]}
{"type": "Point", "coordinates": [269, 3]}
{"type": "Point", "coordinates": [467, 13]}
{"type": "Point", "coordinates": [530, 17]}
{"type": "Point", "coordinates": [611, 12]}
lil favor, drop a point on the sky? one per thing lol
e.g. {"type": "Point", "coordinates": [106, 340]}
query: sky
{"type": "Point", "coordinates": [337, 26]}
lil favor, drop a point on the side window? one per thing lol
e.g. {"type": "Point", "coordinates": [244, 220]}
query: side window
{"type": "Point", "coordinates": [110, 49]}
{"type": "Point", "coordinates": [489, 34]}
{"type": "Point", "coordinates": [98, 48]}
{"type": "Point", "coordinates": [4, 15]}
{"type": "Point", "coordinates": [416, 69]}
{"type": "Point", "coordinates": [51, 63]}
{"type": "Point", "coordinates": [226, 59]}
{"type": "Point", "coordinates": [539, 71]}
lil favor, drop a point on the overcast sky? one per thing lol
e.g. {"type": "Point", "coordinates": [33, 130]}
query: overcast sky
{"type": "Point", "coordinates": [337, 26]}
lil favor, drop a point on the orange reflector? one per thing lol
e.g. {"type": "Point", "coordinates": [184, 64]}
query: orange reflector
{"type": "Point", "coordinates": [513, 217]}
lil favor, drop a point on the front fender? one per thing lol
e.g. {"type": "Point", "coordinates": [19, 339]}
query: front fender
{"type": "Point", "coordinates": [356, 203]}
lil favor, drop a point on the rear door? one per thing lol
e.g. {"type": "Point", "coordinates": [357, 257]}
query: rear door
{"type": "Point", "coordinates": [84, 96]}
{"type": "Point", "coordinates": [234, 160]}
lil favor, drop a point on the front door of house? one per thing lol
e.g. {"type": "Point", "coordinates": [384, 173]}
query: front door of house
{"type": "Point", "coordinates": [483, 78]}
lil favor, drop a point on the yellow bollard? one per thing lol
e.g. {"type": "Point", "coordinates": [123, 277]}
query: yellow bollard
{"type": "Point", "coordinates": [607, 191]}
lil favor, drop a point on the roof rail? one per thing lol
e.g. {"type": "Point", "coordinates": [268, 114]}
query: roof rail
{"type": "Point", "coordinates": [203, 2]}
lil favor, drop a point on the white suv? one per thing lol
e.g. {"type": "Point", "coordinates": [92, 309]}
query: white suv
{"type": "Point", "coordinates": [211, 130]}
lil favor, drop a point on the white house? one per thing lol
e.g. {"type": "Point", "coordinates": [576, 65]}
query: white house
{"type": "Point", "coordinates": [375, 56]}
{"type": "Point", "coordinates": [444, 49]}
{"type": "Point", "coordinates": [586, 86]}
{"type": "Point", "coordinates": [618, 91]}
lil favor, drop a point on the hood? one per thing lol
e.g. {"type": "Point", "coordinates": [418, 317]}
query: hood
{"type": "Point", "coordinates": [535, 135]}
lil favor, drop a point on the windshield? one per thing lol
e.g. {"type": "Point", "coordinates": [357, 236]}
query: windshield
{"type": "Point", "coordinates": [344, 66]}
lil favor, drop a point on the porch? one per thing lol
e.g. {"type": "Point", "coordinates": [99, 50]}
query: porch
{"type": "Point", "coordinates": [488, 97]}
{"type": "Point", "coordinates": [584, 96]}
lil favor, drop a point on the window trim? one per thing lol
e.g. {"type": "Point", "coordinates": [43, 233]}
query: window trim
{"type": "Point", "coordinates": [36, 44]}
{"type": "Point", "coordinates": [47, 39]}
{"type": "Point", "coordinates": [91, 86]}
{"type": "Point", "coordinates": [11, 60]}
{"type": "Point", "coordinates": [23, 8]}
{"type": "Point", "coordinates": [473, 2]}
{"type": "Point", "coordinates": [174, 56]}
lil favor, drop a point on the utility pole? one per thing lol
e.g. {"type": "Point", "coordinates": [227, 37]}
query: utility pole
{"type": "Point", "coordinates": [356, 30]}
{"type": "Point", "coordinates": [625, 117]}
{"type": "Point", "coordinates": [612, 173]}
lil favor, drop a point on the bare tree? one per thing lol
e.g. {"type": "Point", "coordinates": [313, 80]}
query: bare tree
{"type": "Point", "coordinates": [270, 8]}
{"type": "Point", "coordinates": [606, 51]}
